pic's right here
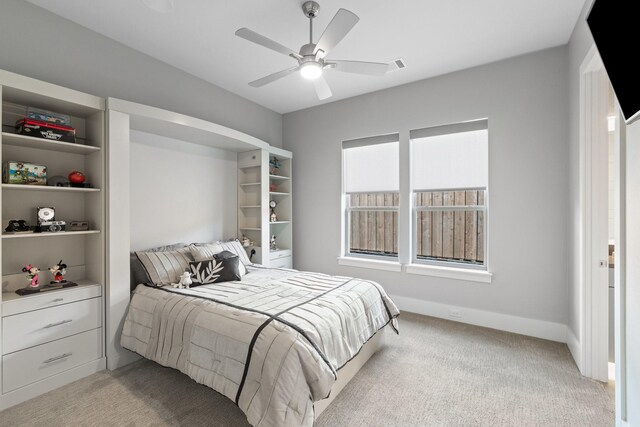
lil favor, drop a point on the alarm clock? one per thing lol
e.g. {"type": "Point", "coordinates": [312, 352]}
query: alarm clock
{"type": "Point", "coordinates": [272, 204]}
{"type": "Point", "coordinates": [45, 214]}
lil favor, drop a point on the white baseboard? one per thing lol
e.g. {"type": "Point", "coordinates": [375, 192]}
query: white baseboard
{"type": "Point", "coordinates": [574, 347]}
{"type": "Point", "coordinates": [504, 322]}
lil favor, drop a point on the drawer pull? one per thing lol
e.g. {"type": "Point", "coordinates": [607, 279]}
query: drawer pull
{"type": "Point", "coordinates": [58, 300]}
{"type": "Point", "coordinates": [51, 325]}
{"type": "Point", "coordinates": [53, 359]}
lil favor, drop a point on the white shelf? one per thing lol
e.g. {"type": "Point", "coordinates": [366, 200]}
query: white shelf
{"type": "Point", "coordinates": [278, 193]}
{"type": "Point", "coordinates": [279, 177]}
{"type": "Point", "coordinates": [280, 222]}
{"type": "Point", "coordinates": [37, 235]}
{"type": "Point", "coordinates": [23, 187]}
{"type": "Point", "coordinates": [249, 184]}
{"type": "Point", "coordinates": [46, 144]}
{"type": "Point", "coordinates": [250, 207]}
{"type": "Point", "coordinates": [251, 228]}
{"type": "Point", "coordinates": [12, 296]}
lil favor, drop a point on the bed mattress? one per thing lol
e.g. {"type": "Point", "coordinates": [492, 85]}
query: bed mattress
{"type": "Point", "coordinates": [272, 342]}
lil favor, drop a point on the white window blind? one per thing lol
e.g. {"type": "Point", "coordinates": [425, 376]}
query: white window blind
{"type": "Point", "coordinates": [371, 168]}
{"type": "Point", "coordinates": [449, 161]}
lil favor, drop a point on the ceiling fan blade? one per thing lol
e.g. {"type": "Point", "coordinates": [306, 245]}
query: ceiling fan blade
{"type": "Point", "coordinates": [256, 38]}
{"type": "Point", "coordinates": [322, 88]}
{"type": "Point", "coordinates": [339, 27]}
{"type": "Point", "coordinates": [273, 77]}
{"type": "Point", "coordinates": [359, 67]}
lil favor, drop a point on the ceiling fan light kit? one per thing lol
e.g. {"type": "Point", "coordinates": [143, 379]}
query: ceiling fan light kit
{"type": "Point", "coordinates": [311, 57]}
{"type": "Point", "coordinates": [311, 70]}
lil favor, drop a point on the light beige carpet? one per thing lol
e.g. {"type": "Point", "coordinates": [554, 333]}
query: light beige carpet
{"type": "Point", "coordinates": [436, 373]}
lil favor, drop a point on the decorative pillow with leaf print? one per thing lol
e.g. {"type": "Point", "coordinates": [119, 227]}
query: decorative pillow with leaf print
{"type": "Point", "coordinates": [224, 267]}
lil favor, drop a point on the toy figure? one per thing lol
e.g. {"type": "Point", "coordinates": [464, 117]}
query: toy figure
{"type": "Point", "coordinates": [32, 274]}
{"type": "Point", "coordinates": [272, 243]}
{"type": "Point", "coordinates": [58, 271]}
{"type": "Point", "coordinates": [185, 280]}
{"type": "Point", "coordinates": [274, 165]}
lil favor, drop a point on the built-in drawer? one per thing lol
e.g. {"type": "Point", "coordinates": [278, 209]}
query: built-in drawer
{"type": "Point", "coordinates": [284, 262]}
{"type": "Point", "coordinates": [20, 304]}
{"type": "Point", "coordinates": [34, 364]}
{"type": "Point", "coordinates": [32, 328]}
{"type": "Point", "coordinates": [282, 253]}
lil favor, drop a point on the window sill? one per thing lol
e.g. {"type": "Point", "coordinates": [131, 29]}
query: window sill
{"type": "Point", "coordinates": [450, 273]}
{"type": "Point", "coordinates": [370, 263]}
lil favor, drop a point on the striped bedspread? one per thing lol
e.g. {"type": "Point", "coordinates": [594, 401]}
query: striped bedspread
{"type": "Point", "coordinates": [272, 342]}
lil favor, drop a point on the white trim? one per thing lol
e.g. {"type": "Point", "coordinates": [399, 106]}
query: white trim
{"type": "Point", "coordinates": [504, 322]}
{"type": "Point", "coordinates": [374, 264]}
{"type": "Point", "coordinates": [118, 291]}
{"type": "Point", "coordinates": [593, 218]}
{"type": "Point", "coordinates": [574, 347]}
{"type": "Point", "coordinates": [450, 273]}
{"type": "Point", "coordinates": [185, 128]}
{"type": "Point", "coordinates": [620, 272]}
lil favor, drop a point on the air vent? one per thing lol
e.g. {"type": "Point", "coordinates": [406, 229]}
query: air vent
{"type": "Point", "coordinates": [397, 64]}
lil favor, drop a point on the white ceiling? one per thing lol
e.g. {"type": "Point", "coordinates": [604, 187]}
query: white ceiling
{"type": "Point", "coordinates": [433, 36]}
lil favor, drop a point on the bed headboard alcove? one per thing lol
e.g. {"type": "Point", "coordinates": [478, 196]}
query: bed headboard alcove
{"type": "Point", "coordinates": [172, 178]}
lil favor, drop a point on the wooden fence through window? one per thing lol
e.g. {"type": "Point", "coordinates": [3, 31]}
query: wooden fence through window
{"type": "Point", "coordinates": [456, 235]}
{"type": "Point", "coordinates": [374, 232]}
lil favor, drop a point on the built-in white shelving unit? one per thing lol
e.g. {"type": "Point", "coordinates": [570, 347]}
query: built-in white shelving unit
{"type": "Point", "coordinates": [259, 184]}
{"type": "Point", "coordinates": [61, 335]}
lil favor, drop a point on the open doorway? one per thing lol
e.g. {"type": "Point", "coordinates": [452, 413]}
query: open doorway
{"type": "Point", "coordinates": [600, 179]}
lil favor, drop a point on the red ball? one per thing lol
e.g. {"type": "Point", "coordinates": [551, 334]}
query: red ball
{"type": "Point", "coordinates": [76, 177]}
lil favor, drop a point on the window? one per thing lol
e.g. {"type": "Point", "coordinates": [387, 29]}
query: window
{"type": "Point", "coordinates": [371, 197]}
{"type": "Point", "coordinates": [449, 175]}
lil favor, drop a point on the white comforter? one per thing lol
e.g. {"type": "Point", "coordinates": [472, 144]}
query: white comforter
{"type": "Point", "coordinates": [272, 342]}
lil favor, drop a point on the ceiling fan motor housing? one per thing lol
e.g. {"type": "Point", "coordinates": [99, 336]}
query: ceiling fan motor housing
{"type": "Point", "coordinates": [310, 9]}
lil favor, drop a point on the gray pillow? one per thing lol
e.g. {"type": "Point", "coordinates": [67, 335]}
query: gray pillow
{"type": "Point", "coordinates": [139, 272]}
{"type": "Point", "coordinates": [236, 247]}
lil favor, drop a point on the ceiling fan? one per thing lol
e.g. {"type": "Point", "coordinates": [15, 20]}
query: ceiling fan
{"type": "Point", "coordinates": [312, 57]}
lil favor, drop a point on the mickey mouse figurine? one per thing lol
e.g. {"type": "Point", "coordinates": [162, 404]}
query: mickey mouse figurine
{"type": "Point", "coordinates": [58, 271]}
{"type": "Point", "coordinates": [32, 274]}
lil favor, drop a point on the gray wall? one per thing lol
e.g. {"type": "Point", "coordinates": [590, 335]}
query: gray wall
{"type": "Point", "coordinates": [183, 192]}
{"type": "Point", "coordinates": [579, 45]}
{"type": "Point", "coordinates": [526, 102]}
{"type": "Point", "coordinates": [39, 44]}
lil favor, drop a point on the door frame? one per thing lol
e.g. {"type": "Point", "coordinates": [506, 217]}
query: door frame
{"type": "Point", "coordinates": [594, 333]}
{"type": "Point", "coordinates": [593, 358]}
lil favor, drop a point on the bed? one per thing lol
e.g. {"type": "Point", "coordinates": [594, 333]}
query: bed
{"type": "Point", "coordinates": [275, 342]}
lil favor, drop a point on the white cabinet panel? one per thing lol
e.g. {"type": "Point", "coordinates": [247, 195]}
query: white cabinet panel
{"type": "Point", "coordinates": [37, 327]}
{"type": "Point", "coordinates": [37, 363]}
